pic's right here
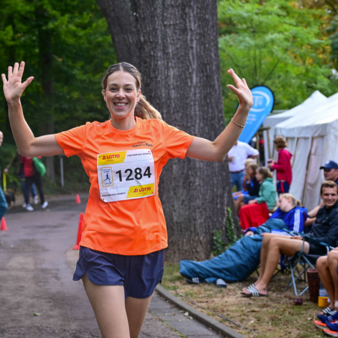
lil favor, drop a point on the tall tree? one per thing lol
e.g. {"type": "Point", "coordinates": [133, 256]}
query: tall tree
{"type": "Point", "coordinates": [174, 43]}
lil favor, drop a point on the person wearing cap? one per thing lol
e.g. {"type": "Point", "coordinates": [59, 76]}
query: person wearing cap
{"type": "Point", "coordinates": [330, 174]}
{"type": "Point", "coordinates": [330, 171]}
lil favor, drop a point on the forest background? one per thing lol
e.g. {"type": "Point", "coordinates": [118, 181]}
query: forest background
{"type": "Point", "coordinates": [289, 46]}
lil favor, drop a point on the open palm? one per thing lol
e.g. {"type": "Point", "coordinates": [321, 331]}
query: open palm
{"type": "Point", "coordinates": [13, 86]}
{"type": "Point", "coordinates": [242, 90]}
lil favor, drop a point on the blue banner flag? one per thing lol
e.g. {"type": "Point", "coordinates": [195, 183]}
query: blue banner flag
{"type": "Point", "coordinates": [263, 101]}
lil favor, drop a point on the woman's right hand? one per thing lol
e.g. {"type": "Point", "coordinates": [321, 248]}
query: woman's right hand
{"type": "Point", "coordinates": [13, 86]}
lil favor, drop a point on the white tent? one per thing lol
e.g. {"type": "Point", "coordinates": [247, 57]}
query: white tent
{"type": "Point", "coordinates": [317, 99]}
{"type": "Point", "coordinates": [313, 139]}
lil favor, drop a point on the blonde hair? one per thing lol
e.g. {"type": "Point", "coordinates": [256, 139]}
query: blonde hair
{"type": "Point", "coordinates": [253, 166]}
{"type": "Point", "coordinates": [294, 200]}
{"type": "Point", "coordinates": [143, 108]}
{"type": "Point", "coordinates": [280, 142]}
{"type": "Point", "coordinates": [265, 172]}
{"type": "Point", "coordinates": [248, 161]}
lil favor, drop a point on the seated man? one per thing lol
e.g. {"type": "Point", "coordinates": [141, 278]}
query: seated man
{"type": "Point", "coordinates": [327, 270]}
{"type": "Point", "coordinates": [330, 174]}
{"type": "Point", "coordinates": [325, 229]}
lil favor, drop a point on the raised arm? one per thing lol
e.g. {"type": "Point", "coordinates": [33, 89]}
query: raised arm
{"type": "Point", "coordinates": [217, 150]}
{"type": "Point", "coordinates": [27, 144]}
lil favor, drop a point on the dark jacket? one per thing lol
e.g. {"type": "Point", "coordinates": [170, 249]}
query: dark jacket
{"type": "Point", "coordinates": [253, 186]}
{"type": "Point", "coordinates": [325, 228]}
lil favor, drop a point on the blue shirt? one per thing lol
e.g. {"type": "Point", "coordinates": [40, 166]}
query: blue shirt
{"type": "Point", "coordinates": [294, 219]}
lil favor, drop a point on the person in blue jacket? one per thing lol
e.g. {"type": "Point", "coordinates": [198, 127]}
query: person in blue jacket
{"type": "Point", "coordinates": [290, 211]}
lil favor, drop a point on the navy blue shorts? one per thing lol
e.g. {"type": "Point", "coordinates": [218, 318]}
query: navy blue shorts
{"type": "Point", "coordinates": [138, 274]}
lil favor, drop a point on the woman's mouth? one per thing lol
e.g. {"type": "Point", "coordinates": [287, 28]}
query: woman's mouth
{"type": "Point", "coordinates": [120, 104]}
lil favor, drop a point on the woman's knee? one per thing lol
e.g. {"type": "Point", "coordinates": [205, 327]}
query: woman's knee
{"type": "Point", "coordinates": [321, 262]}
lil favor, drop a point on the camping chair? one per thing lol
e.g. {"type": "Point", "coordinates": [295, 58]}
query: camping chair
{"type": "Point", "coordinates": [301, 262]}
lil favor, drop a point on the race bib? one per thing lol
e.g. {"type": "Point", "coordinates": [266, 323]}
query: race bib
{"type": "Point", "coordinates": [125, 175]}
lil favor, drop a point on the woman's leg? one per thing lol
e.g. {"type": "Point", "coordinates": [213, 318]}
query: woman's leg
{"type": "Point", "coordinates": [109, 306]}
{"type": "Point", "coordinates": [38, 183]}
{"type": "Point", "coordinates": [325, 277]}
{"type": "Point", "coordinates": [332, 261]}
{"type": "Point", "coordinates": [136, 312]}
{"type": "Point", "coordinates": [277, 246]}
{"type": "Point", "coordinates": [28, 185]}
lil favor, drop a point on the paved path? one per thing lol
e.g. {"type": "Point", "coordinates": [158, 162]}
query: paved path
{"type": "Point", "coordinates": [36, 267]}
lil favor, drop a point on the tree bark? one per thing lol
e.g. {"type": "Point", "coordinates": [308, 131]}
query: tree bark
{"type": "Point", "coordinates": [174, 43]}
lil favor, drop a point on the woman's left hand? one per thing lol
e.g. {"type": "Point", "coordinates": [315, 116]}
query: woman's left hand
{"type": "Point", "coordinates": [242, 90]}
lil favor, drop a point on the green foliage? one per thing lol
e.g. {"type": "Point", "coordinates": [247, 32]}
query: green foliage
{"type": "Point", "coordinates": [81, 49]}
{"type": "Point", "coordinates": [218, 245]}
{"type": "Point", "coordinates": [277, 44]}
{"type": "Point", "coordinates": [230, 229]}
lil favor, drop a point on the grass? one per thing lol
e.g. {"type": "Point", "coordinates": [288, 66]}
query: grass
{"type": "Point", "coordinates": [273, 316]}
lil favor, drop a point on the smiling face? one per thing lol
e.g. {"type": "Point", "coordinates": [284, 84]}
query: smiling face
{"type": "Point", "coordinates": [329, 196]}
{"type": "Point", "coordinates": [249, 170]}
{"type": "Point", "coordinates": [121, 95]}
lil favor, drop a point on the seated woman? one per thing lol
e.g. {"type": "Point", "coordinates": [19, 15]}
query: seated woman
{"type": "Point", "coordinates": [242, 258]}
{"type": "Point", "coordinates": [246, 177]}
{"type": "Point", "coordinates": [252, 186]}
{"type": "Point", "coordinates": [290, 211]}
{"type": "Point", "coordinates": [257, 210]}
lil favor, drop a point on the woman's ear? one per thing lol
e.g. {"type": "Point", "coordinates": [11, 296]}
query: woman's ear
{"type": "Point", "coordinates": [104, 94]}
{"type": "Point", "coordinates": [138, 96]}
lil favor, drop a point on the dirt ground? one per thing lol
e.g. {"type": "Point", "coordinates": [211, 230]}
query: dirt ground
{"type": "Point", "coordinates": [268, 317]}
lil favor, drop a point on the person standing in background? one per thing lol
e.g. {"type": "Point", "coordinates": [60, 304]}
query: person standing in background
{"type": "Point", "coordinates": [237, 156]}
{"type": "Point", "coordinates": [17, 159]}
{"type": "Point", "coordinates": [3, 203]}
{"type": "Point", "coordinates": [282, 166]}
{"type": "Point", "coordinates": [32, 176]}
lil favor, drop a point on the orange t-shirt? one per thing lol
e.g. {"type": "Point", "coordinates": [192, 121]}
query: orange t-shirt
{"type": "Point", "coordinates": [126, 227]}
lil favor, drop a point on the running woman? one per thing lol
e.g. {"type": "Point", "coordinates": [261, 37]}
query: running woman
{"type": "Point", "coordinates": [124, 231]}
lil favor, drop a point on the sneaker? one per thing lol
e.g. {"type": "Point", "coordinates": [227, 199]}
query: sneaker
{"type": "Point", "coordinates": [328, 315]}
{"type": "Point", "coordinates": [331, 333]}
{"type": "Point", "coordinates": [44, 205]}
{"type": "Point", "coordinates": [220, 283]}
{"type": "Point", "coordinates": [29, 207]}
{"type": "Point", "coordinates": [322, 325]}
{"type": "Point", "coordinates": [332, 329]}
{"type": "Point", "coordinates": [36, 199]}
{"type": "Point", "coordinates": [24, 205]}
{"type": "Point", "coordinates": [194, 280]}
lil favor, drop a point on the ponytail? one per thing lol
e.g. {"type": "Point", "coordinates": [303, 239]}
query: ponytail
{"type": "Point", "coordinates": [145, 110]}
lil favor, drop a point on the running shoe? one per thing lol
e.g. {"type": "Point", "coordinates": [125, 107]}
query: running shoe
{"type": "Point", "coordinates": [331, 333]}
{"type": "Point", "coordinates": [44, 205]}
{"type": "Point", "coordinates": [24, 205]}
{"type": "Point", "coordinates": [322, 325]}
{"type": "Point", "coordinates": [194, 280]}
{"type": "Point", "coordinates": [332, 326]}
{"type": "Point", "coordinates": [328, 315]}
{"type": "Point", "coordinates": [29, 207]}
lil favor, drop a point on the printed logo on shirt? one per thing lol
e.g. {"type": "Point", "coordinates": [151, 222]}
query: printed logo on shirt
{"type": "Point", "coordinates": [140, 190]}
{"type": "Point", "coordinates": [112, 158]}
{"type": "Point", "coordinates": [142, 144]}
{"type": "Point", "coordinates": [107, 177]}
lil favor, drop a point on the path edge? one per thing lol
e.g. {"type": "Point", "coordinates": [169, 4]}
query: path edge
{"type": "Point", "coordinates": [199, 316]}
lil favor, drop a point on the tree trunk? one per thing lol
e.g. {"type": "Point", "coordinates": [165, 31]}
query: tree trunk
{"type": "Point", "coordinates": [174, 43]}
{"type": "Point", "coordinates": [47, 81]}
